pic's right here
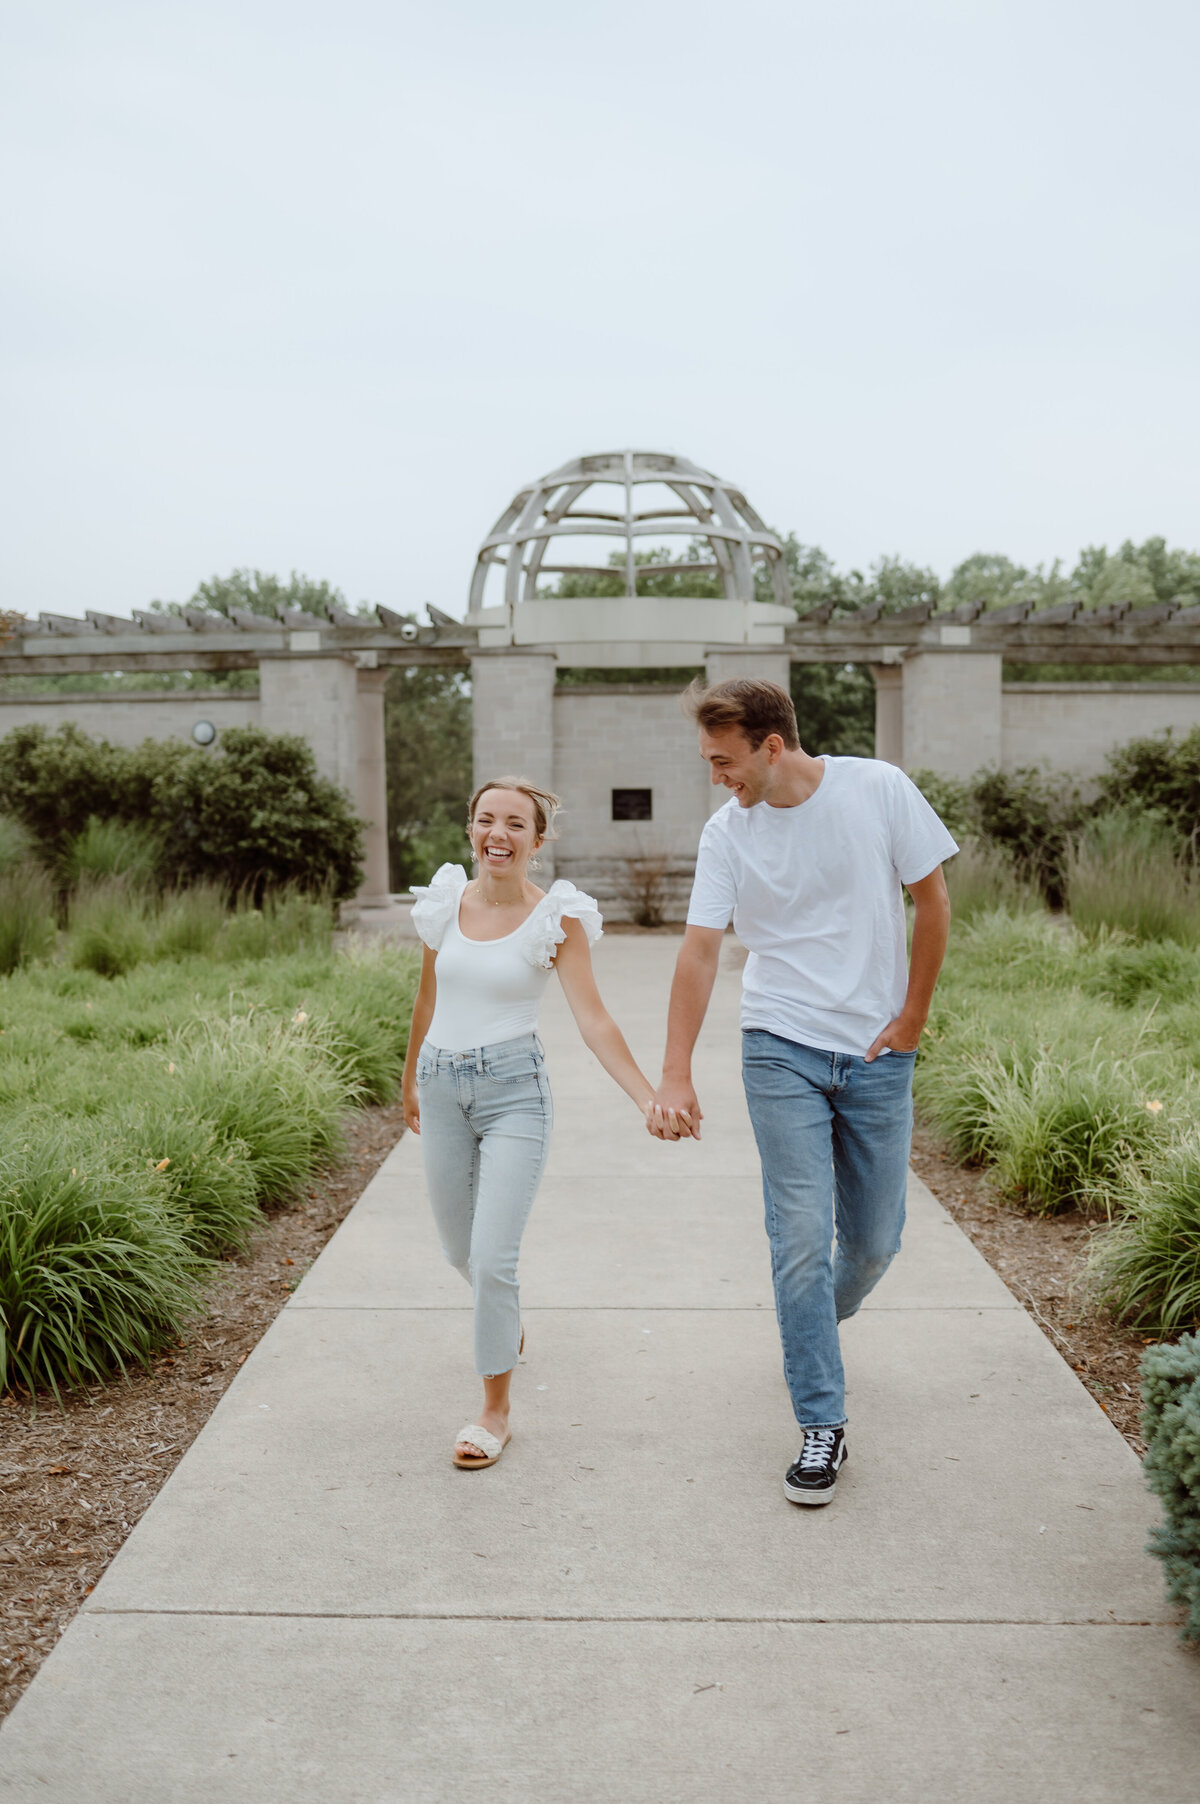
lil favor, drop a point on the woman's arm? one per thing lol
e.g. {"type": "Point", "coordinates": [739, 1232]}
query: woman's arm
{"type": "Point", "coordinates": [600, 1032]}
{"type": "Point", "coordinates": [422, 1015]}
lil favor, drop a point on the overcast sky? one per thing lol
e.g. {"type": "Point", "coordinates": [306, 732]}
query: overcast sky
{"type": "Point", "coordinates": [319, 286]}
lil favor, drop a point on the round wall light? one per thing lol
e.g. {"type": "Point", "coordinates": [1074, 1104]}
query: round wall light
{"type": "Point", "coordinates": [204, 732]}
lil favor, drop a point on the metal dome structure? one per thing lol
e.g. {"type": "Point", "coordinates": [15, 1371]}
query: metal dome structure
{"type": "Point", "coordinates": [576, 500]}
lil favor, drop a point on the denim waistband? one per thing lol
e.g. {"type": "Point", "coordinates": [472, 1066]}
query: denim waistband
{"type": "Point", "coordinates": [473, 1057]}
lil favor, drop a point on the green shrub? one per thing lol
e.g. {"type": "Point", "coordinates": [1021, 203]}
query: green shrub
{"type": "Point", "coordinates": [1124, 871]}
{"type": "Point", "coordinates": [1030, 815]}
{"type": "Point", "coordinates": [1147, 1268]}
{"type": "Point", "coordinates": [109, 926]}
{"type": "Point", "coordinates": [257, 816]}
{"type": "Point", "coordinates": [27, 924]}
{"type": "Point", "coordinates": [94, 1270]}
{"type": "Point", "coordinates": [1171, 1426]}
{"type": "Point", "coordinates": [1163, 774]}
{"type": "Point", "coordinates": [113, 849]}
{"type": "Point", "coordinates": [950, 799]}
{"type": "Point", "coordinates": [982, 878]}
{"type": "Point", "coordinates": [253, 813]}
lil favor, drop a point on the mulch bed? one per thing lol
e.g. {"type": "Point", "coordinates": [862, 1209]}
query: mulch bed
{"type": "Point", "coordinates": [73, 1482]}
{"type": "Point", "coordinates": [1041, 1260]}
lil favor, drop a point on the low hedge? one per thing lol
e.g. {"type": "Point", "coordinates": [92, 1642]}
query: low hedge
{"type": "Point", "coordinates": [1171, 1425]}
{"type": "Point", "coordinates": [253, 814]}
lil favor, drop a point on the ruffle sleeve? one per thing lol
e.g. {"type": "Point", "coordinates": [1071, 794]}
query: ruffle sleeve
{"type": "Point", "coordinates": [546, 931]}
{"type": "Point", "coordinates": [436, 902]}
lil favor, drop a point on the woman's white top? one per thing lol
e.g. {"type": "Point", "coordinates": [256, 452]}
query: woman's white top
{"type": "Point", "coordinates": [491, 990]}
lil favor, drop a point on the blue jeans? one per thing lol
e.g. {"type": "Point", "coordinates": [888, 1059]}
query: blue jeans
{"type": "Point", "coordinates": [486, 1117]}
{"type": "Point", "coordinates": [834, 1136]}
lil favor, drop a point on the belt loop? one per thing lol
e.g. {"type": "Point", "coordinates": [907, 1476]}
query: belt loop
{"type": "Point", "coordinates": [479, 1061]}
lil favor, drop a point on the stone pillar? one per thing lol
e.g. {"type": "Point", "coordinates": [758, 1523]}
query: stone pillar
{"type": "Point", "coordinates": [952, 711]}
{"type": "Point", "coordinates": [316, 698]}
{"type": "Point", "coordinates": [512, 706]}
{"type": "Point", "coordinates": [372, 788]}
{"type": "Point", "coordinates": [889, 712]}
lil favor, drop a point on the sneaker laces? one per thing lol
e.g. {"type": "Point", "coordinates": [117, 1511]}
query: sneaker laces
{"type": "Point", "coordinates": [817, 1450]}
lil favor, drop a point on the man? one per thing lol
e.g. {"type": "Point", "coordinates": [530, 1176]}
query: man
{"type": "Point", "coordinates": [807, 858]}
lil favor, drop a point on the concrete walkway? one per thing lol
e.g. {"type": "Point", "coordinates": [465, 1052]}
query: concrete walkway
{"type": "Point", "coordinates": [319, 1606]}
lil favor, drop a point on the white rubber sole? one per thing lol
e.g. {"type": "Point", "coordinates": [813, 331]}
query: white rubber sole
{"type": "Point", "coordinates": [814, 1499]}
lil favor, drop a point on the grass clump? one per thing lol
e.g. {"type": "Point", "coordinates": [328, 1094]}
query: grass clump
{"type": "Point", "coordinates": [1063, 1132]}
{"type": "Point", "coordinates": [210, 1177]}
{"type": "Point", "coordinates": [27, 922]}
{"type": "Point", "coordinates": [983, 878]}
{"type": "Point", "coordinates": [1126, 871]}
{"type": "Point", "coordinates": [275, 1087]}
{"type": "Point", "coordinates": [112, 848]}
{"type": "Point", "coordinates": [94, 1269]}
{"type": "Point", "coordinates": [189, 921]}
{"type": "Point", "coordinates": [151, 1116]}
{"type": "Point", "coordinates": [109, 926]}
{"type": "Point", "coordinates": [16, 844]}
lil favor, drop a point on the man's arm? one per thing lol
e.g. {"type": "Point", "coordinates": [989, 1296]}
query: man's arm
{"type": "Point", "coordinates": [931, 928]}
{"type": "Point", "coordinates": [677, 1112]}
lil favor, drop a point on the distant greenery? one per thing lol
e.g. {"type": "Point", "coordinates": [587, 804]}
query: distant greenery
{"type": "Point", "coordinates": [427, 725]}
{"type": "Point", "coordinates": [259, 593]}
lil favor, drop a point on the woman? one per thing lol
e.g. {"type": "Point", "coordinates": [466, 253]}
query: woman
{"type": "Point", "coordinates": [475, 1084]}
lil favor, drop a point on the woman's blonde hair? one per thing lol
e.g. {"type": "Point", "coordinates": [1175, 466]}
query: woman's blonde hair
{"type": "Point", "coordinates": [545, 803]}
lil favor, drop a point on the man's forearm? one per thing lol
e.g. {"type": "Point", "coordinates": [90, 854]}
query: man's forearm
{"type": "Point", "coordinates": [931, 929]}
{"type": "Point", "coordinates": [690, 994]}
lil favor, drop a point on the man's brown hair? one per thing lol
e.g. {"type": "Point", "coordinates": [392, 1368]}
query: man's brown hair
{"type": "Point", "coordinates": [751, 704]}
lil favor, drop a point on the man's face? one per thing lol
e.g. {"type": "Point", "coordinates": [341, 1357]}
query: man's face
{"type": "Point", "coordinates": [749, 774]}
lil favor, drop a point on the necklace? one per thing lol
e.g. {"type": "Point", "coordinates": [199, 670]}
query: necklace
{"type": "Point", "coordinates": [490, 904]}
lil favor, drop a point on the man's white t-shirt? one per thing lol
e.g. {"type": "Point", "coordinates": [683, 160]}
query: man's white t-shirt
{"type": "Point", "coordinates": [814, 894]}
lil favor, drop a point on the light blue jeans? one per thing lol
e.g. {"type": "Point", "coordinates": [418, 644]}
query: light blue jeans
{"type": "Point", "coordinates": [486, 1117]}
{"type": "Point", "coordinates": [834, 1136]}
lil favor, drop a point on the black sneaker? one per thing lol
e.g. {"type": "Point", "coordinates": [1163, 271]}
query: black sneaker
{"type": "Point", "coordinates": [812, 1478]}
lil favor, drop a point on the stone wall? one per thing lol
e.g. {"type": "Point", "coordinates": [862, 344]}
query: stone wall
{"type": "Point", "coordinates": [133, 715]}
{"type": "Point", "coordinates": [628, 736]}
{"type": "Point", "coordinates": [1073, 726]}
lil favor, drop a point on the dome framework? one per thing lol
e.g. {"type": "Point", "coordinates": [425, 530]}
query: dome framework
{"type": "Point", "coordinates": [562, 506]}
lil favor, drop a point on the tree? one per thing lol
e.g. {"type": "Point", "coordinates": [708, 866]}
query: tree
{"type": "Point", "coordinates": [259, 592]}
{"type": "Point", "coordinates": [427, 725]}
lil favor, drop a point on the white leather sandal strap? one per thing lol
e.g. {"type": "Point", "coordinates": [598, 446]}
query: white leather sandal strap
{"type": "Point", "coordinates": [475, 1436]}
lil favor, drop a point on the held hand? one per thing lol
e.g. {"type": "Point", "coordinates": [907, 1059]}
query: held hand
{"type": "Point", "coordinates": [900, 1035]}
{"type": "Point", "coordinates": [675, 1113]}
{"type": "Point", "coordinates": [412, 1109]}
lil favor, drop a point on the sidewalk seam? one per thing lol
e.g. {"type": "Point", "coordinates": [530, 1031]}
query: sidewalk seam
{"type": "Point", "coordinates": [954, 1622]}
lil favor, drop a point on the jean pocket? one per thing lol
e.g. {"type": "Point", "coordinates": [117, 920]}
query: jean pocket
{"type": "Point", "coordinates": [424, 1067]}
{"type": "Point", "coordinates": [513, 1065]}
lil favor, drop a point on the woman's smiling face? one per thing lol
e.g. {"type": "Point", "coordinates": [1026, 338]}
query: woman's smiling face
{"type": "Point", "coordinates": [503, 832]}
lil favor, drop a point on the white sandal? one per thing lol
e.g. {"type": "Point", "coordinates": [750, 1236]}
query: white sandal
{"type": "Point", "coordinates": [474, 1436]}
